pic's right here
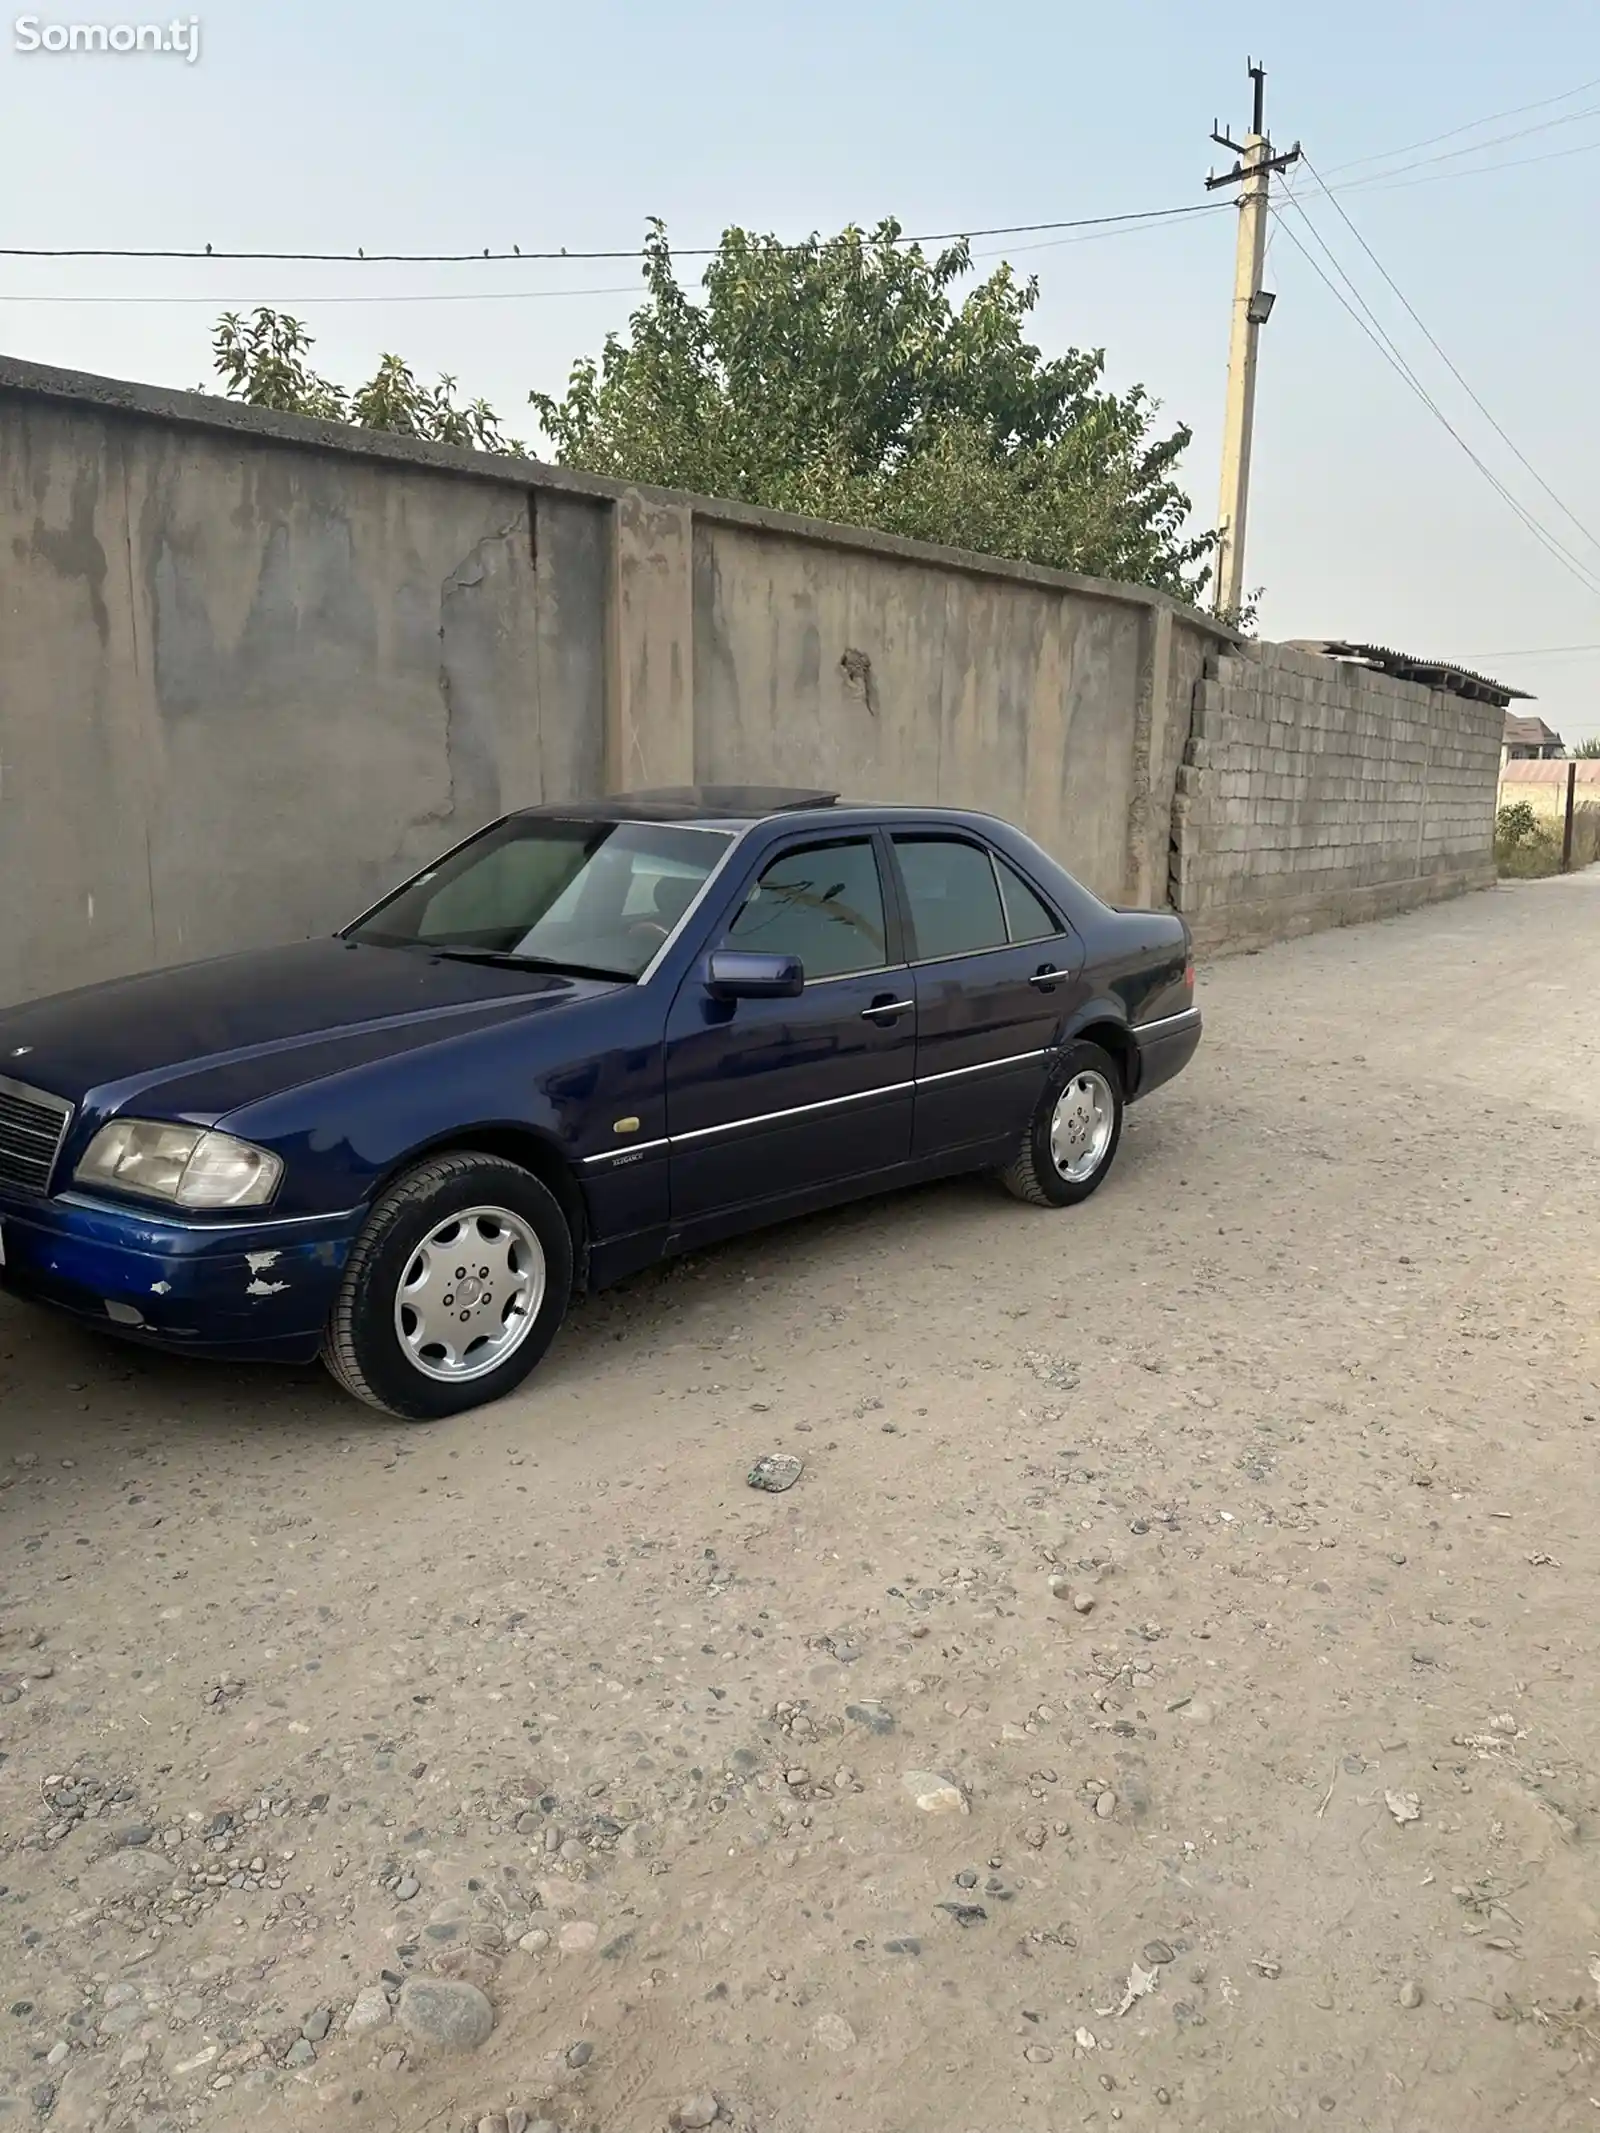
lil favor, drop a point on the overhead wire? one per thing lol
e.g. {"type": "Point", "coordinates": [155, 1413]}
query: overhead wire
{"type": "Point", "coordinates": [1534, 651]}
{"type": "Point", "coordinates": [1129, 219]}
{"type": "Point", "coordinates": [1421, 324]}
{"type": "Point", "coordinates": [1125, 228]}
{"type": "Point", "coordinates": [1543, 103]}
{"type": "Point", "coordinates": [1378, 334]}
{"type": "Point", "coordinates": [1095, 225]}
{"type": "Point", "coordinates": [407, 296]}
{"type": "Point", "coordinates": [1394, 182]}
{"type": "Point", "coordinates": [1499, 140]}
{"type": "Point", "coordinates": [709, 251]}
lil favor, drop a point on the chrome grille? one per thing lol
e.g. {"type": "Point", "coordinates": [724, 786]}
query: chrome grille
{"type": "Point", "coordinates": [32, 1127]}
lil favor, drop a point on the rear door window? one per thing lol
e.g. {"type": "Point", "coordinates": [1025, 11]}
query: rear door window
{"type": "Point", "coordinates": [953, 896]}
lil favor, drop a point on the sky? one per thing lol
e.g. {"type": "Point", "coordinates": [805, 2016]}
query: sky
{"type": "Point", "coordinates": [412, 129]}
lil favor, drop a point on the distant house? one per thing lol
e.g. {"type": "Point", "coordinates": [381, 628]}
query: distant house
{"type": "Point", "coordinates": [1530, 740]}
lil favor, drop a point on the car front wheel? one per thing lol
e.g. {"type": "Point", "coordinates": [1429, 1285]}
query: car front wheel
{"type": "Point", "coordinates": [453, 1291]}
{"type": "Point", "coordinates": [1071, 1141]}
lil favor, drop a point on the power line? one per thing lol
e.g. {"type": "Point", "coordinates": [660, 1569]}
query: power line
{"type": "Point", "coordinates": [709, 251]}
{"type": "Point", "coordinates": [1377, 334]}
{"type": "Point", "coordinates": [1542, 103]}
{"type": "Point", "coordinates": [1012, 229]}
{"type": "Point", "coordinates": [1386, 180]}
{"type": "Point", "coordinates": [1433, 343]}
{"type": "Point", "coordinates": [1499, 140]}
{"type": "Point", "coordinates": [1393, 182]}
{"type": "Point", "coordinates": [517, 295]}
{"type": "Point", "coordinates": [1534, 651]}
{"type": "Point", "coordinates": [411, 296]}
{"type": "Point", "coordinates": [1055, 244]}
{"type": "Point", "coordinates": [507, 296]}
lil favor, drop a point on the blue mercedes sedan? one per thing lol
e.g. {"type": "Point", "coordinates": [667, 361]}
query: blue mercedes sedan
{"type": "Point", "coordinates": [590, 1036]}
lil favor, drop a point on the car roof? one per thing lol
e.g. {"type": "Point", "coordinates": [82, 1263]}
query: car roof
{"type": "Point", "coordinates": [729, 807]}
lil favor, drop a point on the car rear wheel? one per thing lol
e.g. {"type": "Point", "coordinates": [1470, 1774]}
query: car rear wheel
{"type": "Point", "coordinates": [454, 1290]}
{"type": "Point", "coordinates": [1071, 1141]}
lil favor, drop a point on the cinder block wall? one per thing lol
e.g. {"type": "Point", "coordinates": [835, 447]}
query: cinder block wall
{"type": "Point", "coordinates": [1315, 792]}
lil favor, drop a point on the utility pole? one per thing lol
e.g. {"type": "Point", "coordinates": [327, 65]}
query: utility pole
{"type": "Point", "coordinates": [1252, 306]}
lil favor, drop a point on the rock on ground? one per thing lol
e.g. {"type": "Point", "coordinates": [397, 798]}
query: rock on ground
{"type": "Point", "coordinates": [451, 2016]}
{"type": "Point", "coordinates": [370, 2011]}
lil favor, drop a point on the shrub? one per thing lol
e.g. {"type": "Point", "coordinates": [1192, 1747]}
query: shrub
{"type": "Point", "coordinates": [1526, 847]}
{"type": "Point", "coordinates": [1516, 823]}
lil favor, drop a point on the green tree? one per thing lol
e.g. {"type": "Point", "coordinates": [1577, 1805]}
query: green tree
{"type": "Point", "coordinates": [265, 360]}
{"type": "Point", "coordinates": [1587, 751]}
{"type": "Point", "coordinates": [840, 378]}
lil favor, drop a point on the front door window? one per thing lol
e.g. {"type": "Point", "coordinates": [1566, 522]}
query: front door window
{"type": "Point", "coordinates": [823, 903]}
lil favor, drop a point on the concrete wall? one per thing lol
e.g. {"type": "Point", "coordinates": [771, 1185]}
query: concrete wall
{"type": "Point", "coordinates": [1315, 792]}
{"type": "Point", "coordinates": [254, 669]}
{"type": "Point", "coordinates": [901, 682]}
{"type": "Point", "coordinates": [244, 688]}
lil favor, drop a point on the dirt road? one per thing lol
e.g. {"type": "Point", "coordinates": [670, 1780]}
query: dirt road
{"type": "Point", "coordinates": [1282, 1812]}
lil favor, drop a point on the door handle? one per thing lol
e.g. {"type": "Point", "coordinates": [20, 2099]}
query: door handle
{"type": "Point", "coordinates": [886, 1007]}
{"type": "Point", "coordinates": [1047, 978]}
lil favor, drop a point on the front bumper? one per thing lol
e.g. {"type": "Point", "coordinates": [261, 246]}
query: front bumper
{"type": "Point", "coordinates": [242, 1292]}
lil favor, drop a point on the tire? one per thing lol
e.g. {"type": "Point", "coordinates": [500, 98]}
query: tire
{"type": "Point", "coordinates": [399, 1290]}
{"type": "Point", "coordinates": [1084, 1074]}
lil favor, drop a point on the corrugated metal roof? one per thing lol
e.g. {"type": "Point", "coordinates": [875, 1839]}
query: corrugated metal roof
{"type": "Point", "coordinates": [1583, 774]}
{"type": "Point", "coordinates": [1406, 666]}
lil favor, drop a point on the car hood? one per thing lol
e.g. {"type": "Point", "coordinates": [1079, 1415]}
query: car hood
{"type": "Point", "coordinates": [208, 1037]}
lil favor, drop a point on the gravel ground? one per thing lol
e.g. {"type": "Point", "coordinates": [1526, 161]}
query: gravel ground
{"type": "Point", "coordinates": [1165, 1699]}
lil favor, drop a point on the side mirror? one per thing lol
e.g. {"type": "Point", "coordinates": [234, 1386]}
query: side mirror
{"type": "Point", "coordinates": [733, 974]}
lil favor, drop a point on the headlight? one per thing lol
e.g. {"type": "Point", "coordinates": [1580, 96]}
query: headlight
{"type": "Point", "coordinates": [188, 1165]}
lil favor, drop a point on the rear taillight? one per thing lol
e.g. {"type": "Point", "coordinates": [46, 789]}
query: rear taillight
{"type": "Point", "coordinates": [1188, 977]}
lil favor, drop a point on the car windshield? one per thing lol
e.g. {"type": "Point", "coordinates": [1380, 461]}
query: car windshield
{"type": "Point", "coordinates": [598, 898]}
